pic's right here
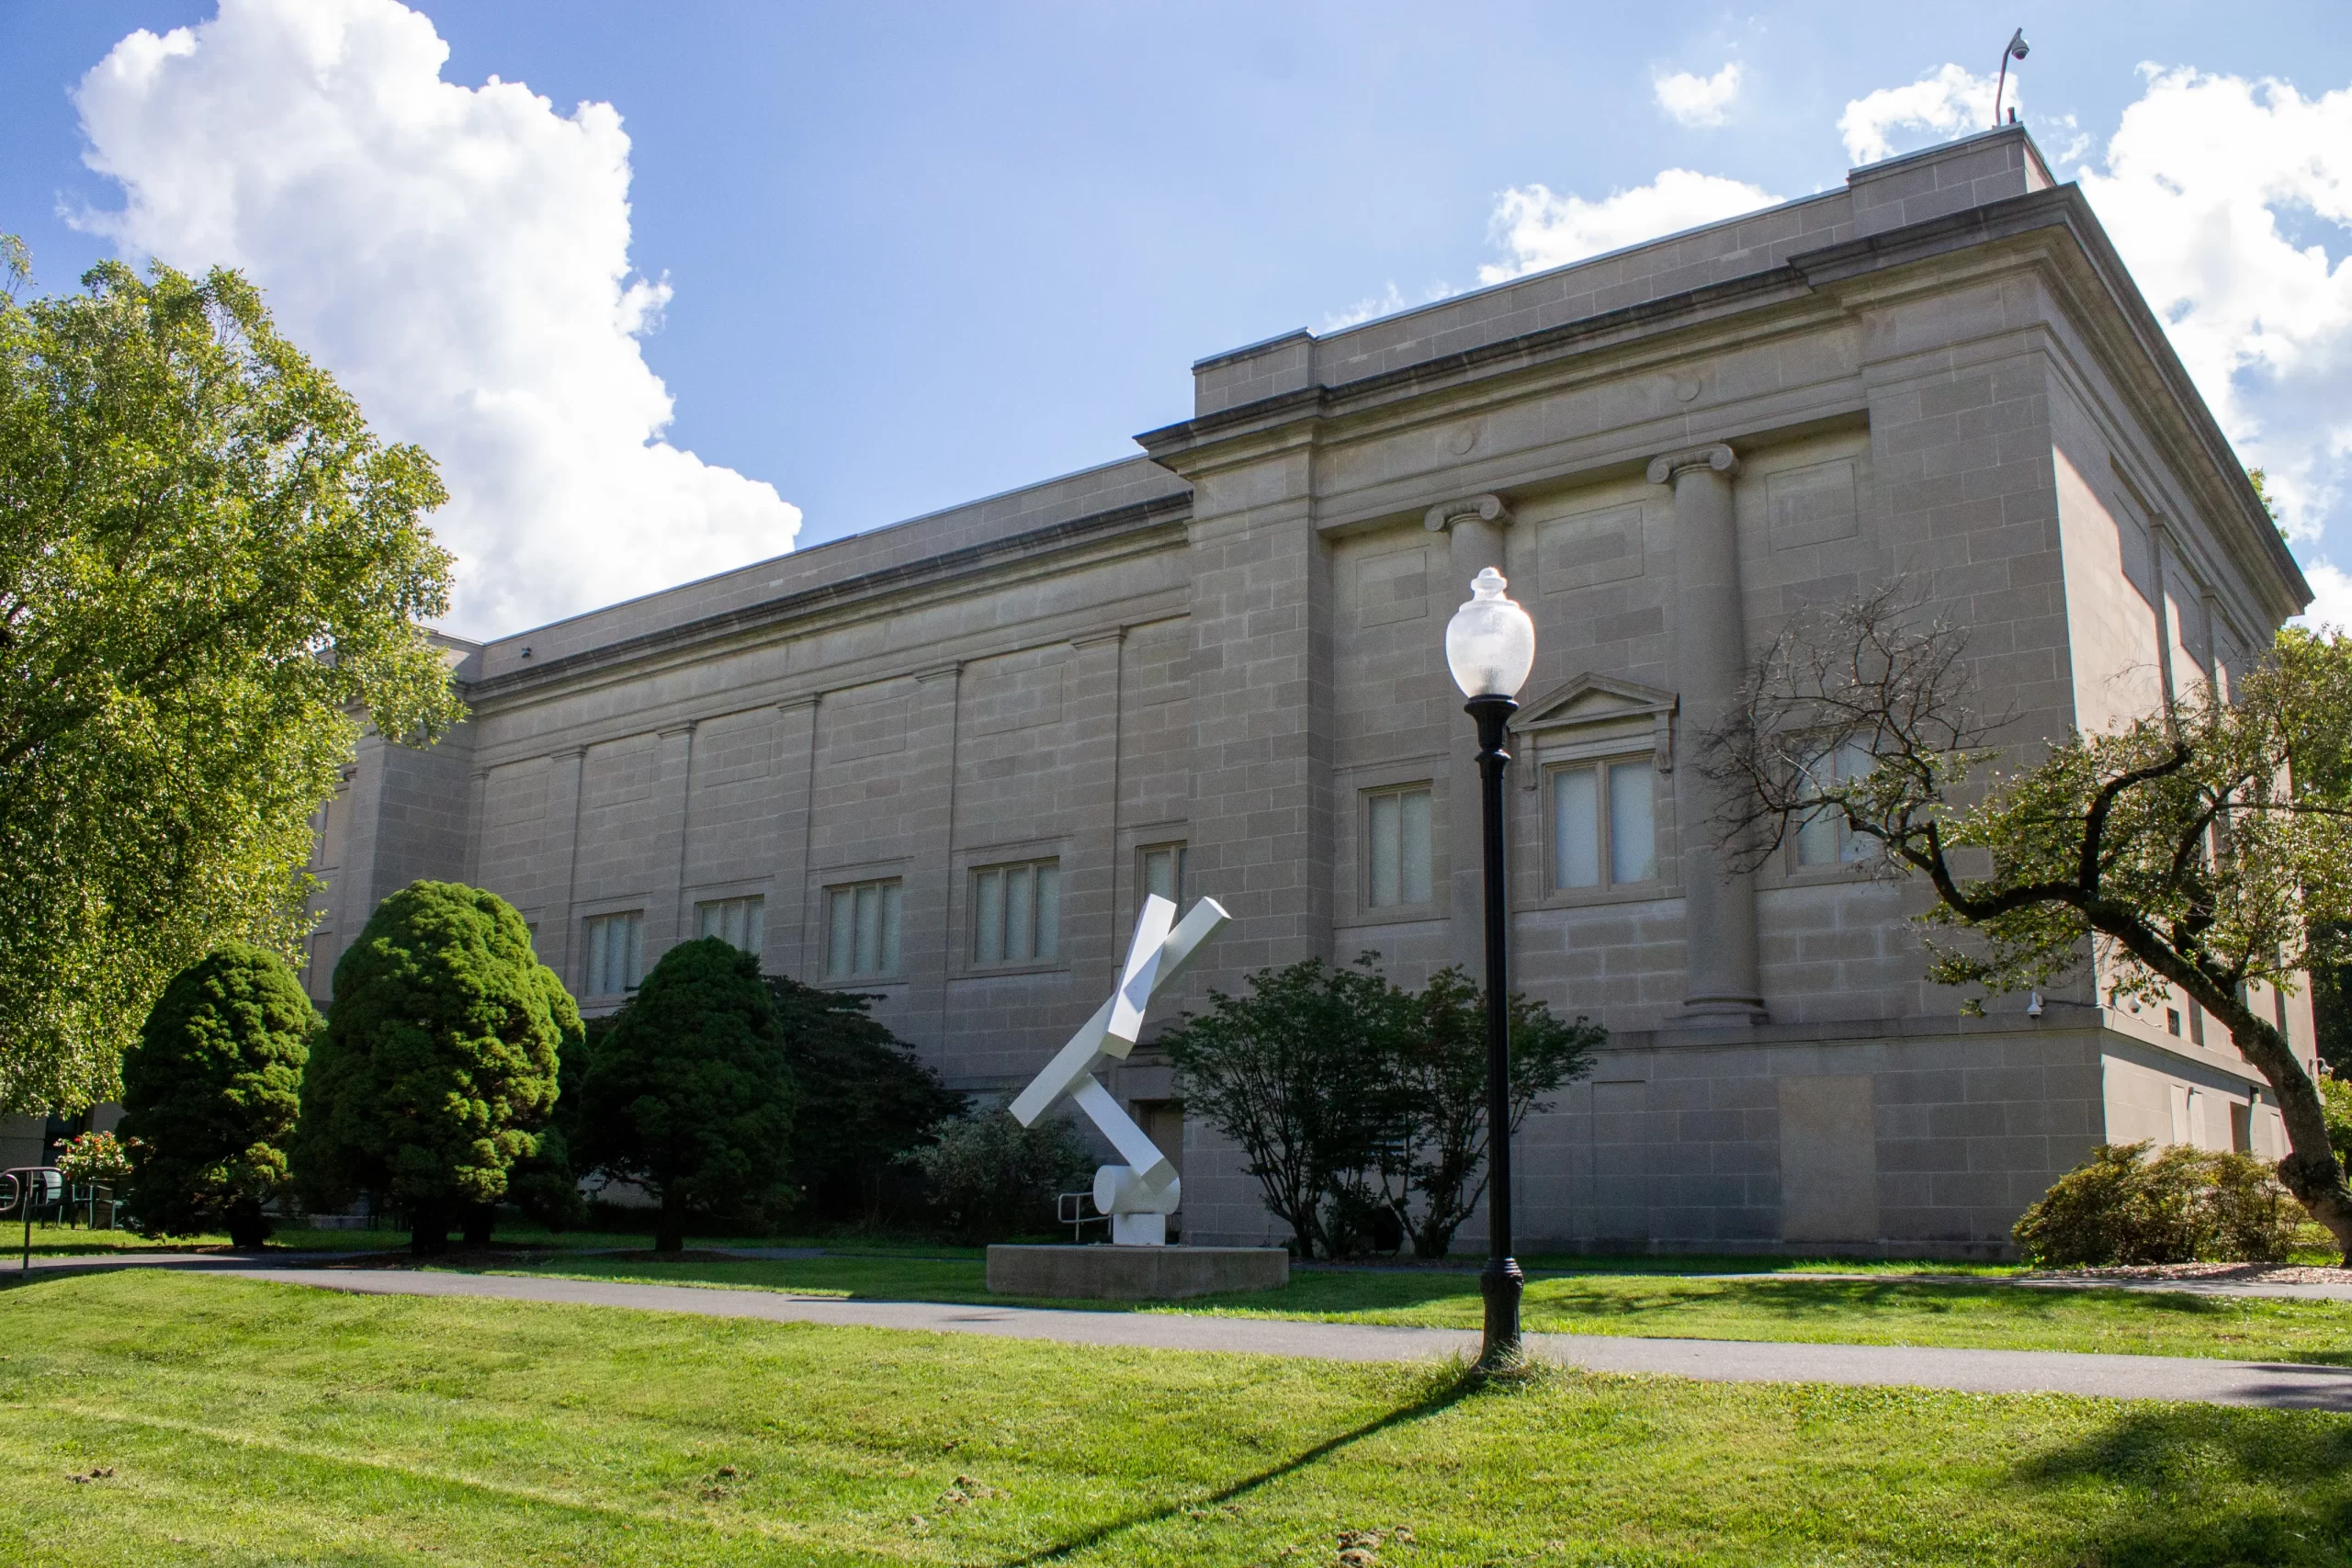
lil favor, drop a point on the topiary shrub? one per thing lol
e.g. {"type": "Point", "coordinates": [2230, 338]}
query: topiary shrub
{"type": "Point", "coordinates": [2183, 1205]}
{"type": "Point", "coordinates": [438, 1065]}
{"type": "Point", "coordinates": [210, 1093]}
{"type": "Point", "coordinates": [990, 1178]}
{"type": "Point", "coordinates": [865, 1100]}
{"type": "Point", "coordinates": [689, 1095]}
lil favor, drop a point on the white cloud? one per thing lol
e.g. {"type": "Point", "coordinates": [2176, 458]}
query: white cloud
{"type": "Point", "coordinates": [2332, 600]}
{"type": "Point", "coordinates": [1945, 103]}
{"type": "Point", "coordinates": [1540, 229]}
{"type": "Point", "coordinates": [2226, 198]}
{"type": "Point", "coordinates": [1387, 302]}
{"type": "Point", "coordinates": [458, 258]}
{"type": "Point", "coordinates": [1698, 100]}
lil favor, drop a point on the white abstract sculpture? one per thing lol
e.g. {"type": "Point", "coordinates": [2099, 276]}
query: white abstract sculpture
{"type": "Point", "coordinates": [1142, 1193]}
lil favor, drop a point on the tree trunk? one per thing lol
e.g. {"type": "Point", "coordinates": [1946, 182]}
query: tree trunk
{"type": "Point", "coordinates": [428, 1231]}
{"type": "Point", "coordinates": [2311, 1170]}
{"type": "Point", "coordinates": [248, 1227]}
{"type": "Point", "coordinates": [479, 1221]}
{"type": "Point", "coordinates": [669, 1230]}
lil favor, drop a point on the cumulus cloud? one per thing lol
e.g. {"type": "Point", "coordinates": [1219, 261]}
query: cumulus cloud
{"type": "Point", "coordinates": [2227, 199]}
{"type": "Point", "coordinates": [1387, 302]}
{"type": "Point", "coordinates": [2331, 597]}
{"type": "Point", "coordinates": [1944, 103]}
{"type": "Point", "coordinates": [1539, 228]}
{"type": "Point", "coordinates": [1698, 100]}
{"type": "Point", "coordinates": [458, 258]}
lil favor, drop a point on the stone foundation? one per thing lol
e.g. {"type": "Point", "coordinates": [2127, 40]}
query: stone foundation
{"type": "Point", "coordinates": [1134, 1273]}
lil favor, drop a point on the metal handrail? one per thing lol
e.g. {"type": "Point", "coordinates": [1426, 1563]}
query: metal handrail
{"type": "Point", "coordinates": [1069, 1209]}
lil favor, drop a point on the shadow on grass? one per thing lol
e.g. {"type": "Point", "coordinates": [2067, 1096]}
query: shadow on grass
{"type": "Point", "coordinates": [2299, 1471]}
{"type": "Point", "coordinates": [1446, 1387]}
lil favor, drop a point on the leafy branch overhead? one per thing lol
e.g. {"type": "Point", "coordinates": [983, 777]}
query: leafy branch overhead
{"type": "Point", "coordinates": [208, 565]}
{"type": "Point", "coordinates": [2198, 848]}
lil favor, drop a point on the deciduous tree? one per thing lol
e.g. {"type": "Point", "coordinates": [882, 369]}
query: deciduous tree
{"type": "Point", "coordinates": [2198, 847]}
{"type": "Point", "coordinates": [208, 565]}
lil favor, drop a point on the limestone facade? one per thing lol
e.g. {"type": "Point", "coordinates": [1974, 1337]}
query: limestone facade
{"type": "Point", "coordinates": [948, 757]}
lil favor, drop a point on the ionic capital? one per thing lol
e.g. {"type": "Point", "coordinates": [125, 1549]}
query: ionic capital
{"type": "Point", "coordinates": [1714, 455]}
{"type": "Point", "coordinates": [1484, 508]}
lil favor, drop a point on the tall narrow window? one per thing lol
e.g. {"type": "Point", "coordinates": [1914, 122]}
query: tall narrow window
{"type": "Point", "coordinates": [1823, 838]}
{"type": "Point", "coordinates": [1163, 872]}
{"type": "Point", "coordinates": [1604, 824]}
{"type": "Point", "coordinates": [1398, 837]}
{"type": "Point", "coordinates": [1017, 912]}
{"type": "Point", "coordinates": [615, 946]}
{"type": "Point", "coordinates": [738, 922]}
{"type": "Point", "coordinates": [862, 928]}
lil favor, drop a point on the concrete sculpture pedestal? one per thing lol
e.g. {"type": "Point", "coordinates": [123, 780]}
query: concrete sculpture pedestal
{"type": "Point", "coordinates": [1134, 1273]}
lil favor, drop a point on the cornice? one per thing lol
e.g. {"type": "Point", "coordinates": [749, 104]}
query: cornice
{"type": "Point", "coordinates": [1163, 511]}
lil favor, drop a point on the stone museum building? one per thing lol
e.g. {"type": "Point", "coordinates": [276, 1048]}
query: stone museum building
{"type": "Point", "coordinates": [943, 761]}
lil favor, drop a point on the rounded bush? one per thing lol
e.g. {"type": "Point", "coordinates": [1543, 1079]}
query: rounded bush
{"type": "Point", "coordinates": [2182, 1205]}
{"type": "Point", "coordinates": [438, 1063]}
{"type": "Point", "coordinates": [210, 1093]}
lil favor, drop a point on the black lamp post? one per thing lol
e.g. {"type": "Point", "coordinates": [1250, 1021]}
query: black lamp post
{"type": "Point", "coordinates": [1491, 646]}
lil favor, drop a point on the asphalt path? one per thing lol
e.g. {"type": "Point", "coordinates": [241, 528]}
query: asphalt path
{"type": "Point", "coordinates": [2285, 1386]}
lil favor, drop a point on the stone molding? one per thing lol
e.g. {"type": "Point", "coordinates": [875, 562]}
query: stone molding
{"type": "Point", "coordinates": [1716, 455]}
{"type": "Point", "coordinates": [1484, 508]}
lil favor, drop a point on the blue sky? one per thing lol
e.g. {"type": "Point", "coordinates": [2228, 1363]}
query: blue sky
{"type": "Point", "coordinates": [918, 254]}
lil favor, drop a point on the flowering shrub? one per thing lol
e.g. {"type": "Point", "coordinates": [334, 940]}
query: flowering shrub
{"type": "Point", "coordinates": [94, 1157]}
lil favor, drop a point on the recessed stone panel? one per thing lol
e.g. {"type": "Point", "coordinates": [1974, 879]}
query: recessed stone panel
{"type": "Point", "coordinates": [1812, 505]}
{"type": "Point", "coordinates": [1393, 587]}
{"type": "Point", "coordinates": [1588, 548]}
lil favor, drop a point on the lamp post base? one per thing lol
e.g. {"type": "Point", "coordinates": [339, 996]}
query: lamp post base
{"type": "Point", "coordinates": [1500, 1283]}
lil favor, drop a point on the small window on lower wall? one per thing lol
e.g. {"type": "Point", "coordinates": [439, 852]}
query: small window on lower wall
{"type": "Point", "coordinates": [1163, 872]}
{"type": "Point", "coordinates": [1398, 836]}
{"type": "Point", "coordinates": [1016, 913]}
{"type": "Point", "coordinates": [862, 928]}
{"type": "Point", "coordinates": [1823, 838]}
{"type": "Point", "coordinates": [616, 956]}
{"type": "Point", "coordinates": [738, 922]}
{"type": "Point", "coordinates": [1604, 824]}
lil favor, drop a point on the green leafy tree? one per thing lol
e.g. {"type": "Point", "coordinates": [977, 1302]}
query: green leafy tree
{"type": "Point", "coordinates": [689, 1096]}
{"type": "Point", "coordinates": [438, 1066]}
{"type": "Point", "coordinates": [2201, 847]}
{"type": "Point", "coordinates": [864, 1100]}
{"type": "Point", "coordinates": [210, 1092]}
{"type": "Point", "coordinates": [990, 1178]}
{"type": "Point", "coordinates": [1440, 1088]}
{"type": "Point", "coordinates": [1300, 1074]}
{"type": "Point", "coordinates": [209, 566]}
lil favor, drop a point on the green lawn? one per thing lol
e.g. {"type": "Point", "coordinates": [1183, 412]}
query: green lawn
{"type": "Point", "coordinates": [235, 1422]}
{"type": "Point", "coordinates": [1884, 1310]}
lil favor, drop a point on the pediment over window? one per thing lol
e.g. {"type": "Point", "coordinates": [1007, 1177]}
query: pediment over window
{"type": "Point", "coordinates": [1598, 707]}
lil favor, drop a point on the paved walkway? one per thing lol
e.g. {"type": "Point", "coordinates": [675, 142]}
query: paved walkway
{"type": "Point", "coordinates": [2279, 1387]}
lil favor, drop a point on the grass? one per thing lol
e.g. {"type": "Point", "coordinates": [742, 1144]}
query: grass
{"type": "Point", "coordinates": [1881, 1310]}
{"type": "Point", "coordinates": [242, 1423]}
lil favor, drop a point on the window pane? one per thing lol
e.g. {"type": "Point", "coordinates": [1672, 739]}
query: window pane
{"type": "Point", "coordinates": [1413, 869]}
{"type": "Point", "coordinates": [1019, 915]}
{"type": "Point", "coordinates": [707, 917]}
{"type": "Point", "coordinates": [840, 926]}
{"type": "Point", "coordinates": [988, 924]}
{"type": "Point", "coordinates": [755, 940]}
{"type": "Point", "coordinates": [869, 929]}
{"type": "Point", "coordinates": [1160, 874]}
{"type": "Point", "coordinates": [1632, 835]}
{"type": "Point", "coordinates": [1388, 847]}
{"type": "Point", "coordinates": [1181, 854]}
{"type": "Point", "coordinates": [1575, 828]}
{"type": "Point", "coordinates": [889, 965]}
{"type": "Point", "coordinates": [1854, 761]}
{"type": "Point", "coordinates": [634, 927]}
{"type": "Point", "coordinates": [1049, 909]}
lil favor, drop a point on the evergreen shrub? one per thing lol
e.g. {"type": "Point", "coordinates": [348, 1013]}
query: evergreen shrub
{"type": "Point", "coordinates": [210, 1093]}
{"type": "Point", "coordinates": [438, 1070]}
{"type": "Point", "coordinates": [689, 1094]}
{"type": "Point", "coordinates": [990, 1179]}
{"type": "Point", "coordinates": [2124, 1205]}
